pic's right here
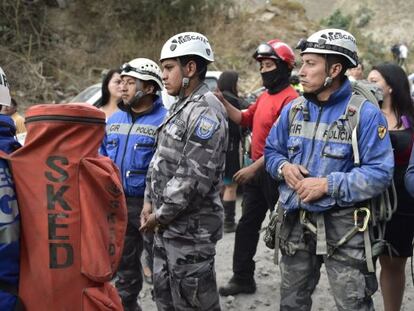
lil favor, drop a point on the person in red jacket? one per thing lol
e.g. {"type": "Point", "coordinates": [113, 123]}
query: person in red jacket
{"type": "Point", "coordinates": [260, 194]}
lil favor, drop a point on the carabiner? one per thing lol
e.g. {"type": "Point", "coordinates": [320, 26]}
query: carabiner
{"type": "Point", "coordinates": [366, 218]}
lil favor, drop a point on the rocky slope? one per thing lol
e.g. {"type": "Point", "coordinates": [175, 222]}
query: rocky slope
{"type": "Point", "coordinates": [86, 37]}
{"type": "Point", "coordinates": [391, 20]}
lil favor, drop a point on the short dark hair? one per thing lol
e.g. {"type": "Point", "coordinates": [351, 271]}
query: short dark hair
{"type": "Point", "coordinates": [13, 102]}
{"type": "Point", "coordinates": [153, 83]}
{"type": "Point", "coordinates": [201, 64]}
{"type": "Point", "coordinates": [105, 90]}
{"type": "Point", "coordinates": [361, 62]}
{"type": "Point", "coordinates": [334, 59]}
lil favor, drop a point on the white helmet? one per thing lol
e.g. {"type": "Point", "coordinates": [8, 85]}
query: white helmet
{"type": "Point", "coordinates": [5, 99]}
{"type": "Point", "coordinates": [331, 41]}
{"type": "Point", "coordinates": [143, 69]}
{"type": "Point", "coordinates": [187, 43]}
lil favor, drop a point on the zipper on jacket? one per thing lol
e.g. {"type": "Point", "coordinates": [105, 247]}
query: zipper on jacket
{"type": "Point", "coordinates": [314, 135]}
{"type": "Point", "coordinates": [125, 147]}
{"type": "Point", "coordinates": [137, 145]}
{"type": "Point", "coordinates": [65, 118]}
{"type": "Point", "coordinates": [135, 172]}
{"type": "Point", "coordinates": [338, 157]}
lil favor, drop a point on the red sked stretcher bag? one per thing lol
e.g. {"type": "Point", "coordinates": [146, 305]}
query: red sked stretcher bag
{"type": "Point", "coordinates": [73, 211]}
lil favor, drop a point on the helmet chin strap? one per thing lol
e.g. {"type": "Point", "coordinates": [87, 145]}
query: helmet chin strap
{"type": "Point", "coordinates": [184, 83]}
{"type": "Point", "coordinates": [138, 95]}
{"type": "Point", "coordinates": [328, 82]}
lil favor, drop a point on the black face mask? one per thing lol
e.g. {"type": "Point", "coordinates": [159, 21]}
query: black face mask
{"type": "Point", "coordinates": [276, 79]}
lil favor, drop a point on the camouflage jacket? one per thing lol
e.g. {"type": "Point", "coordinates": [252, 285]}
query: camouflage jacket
{"type": "Point", "coordinates": [185, 174]}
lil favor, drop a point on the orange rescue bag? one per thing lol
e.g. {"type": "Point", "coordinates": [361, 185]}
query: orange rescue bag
{"type": "Point", "coordinates": [73, 211]}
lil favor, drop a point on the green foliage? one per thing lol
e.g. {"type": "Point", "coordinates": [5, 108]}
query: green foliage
{"type": "Point", "coordinates": [289, 5]}
{"type": "Point", "coordinates": [337, 20]}
{"type": "Point", "coordinates": [139, 28]}
{"type": "Point", "coordinates": [89, 36]}
{"type": "Point", "coordinates": [372, 51]}
{"type": "Point", "coordinates": [22, 27]}
{"type": "Point", "coordinates": [24, 38]}
{"type": "Point", "coordinates": [363, 16]}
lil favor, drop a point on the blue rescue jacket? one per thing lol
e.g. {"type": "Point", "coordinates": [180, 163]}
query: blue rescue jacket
{"type": "Point", "coordinates": [9, 220]}
{"type": "Point", "coordinates": [327, 152]}
{"type": "Point", "coordinates": [131, 145]}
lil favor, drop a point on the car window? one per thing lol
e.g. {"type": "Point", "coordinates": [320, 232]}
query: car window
{"type": "Point", "coordinates": [88, 94]}
{"type": "Point", "coordinates": [211, 83]}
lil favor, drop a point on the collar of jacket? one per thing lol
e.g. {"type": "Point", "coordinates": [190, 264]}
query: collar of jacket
{"type": "Point", "coordinates": [340, 95]}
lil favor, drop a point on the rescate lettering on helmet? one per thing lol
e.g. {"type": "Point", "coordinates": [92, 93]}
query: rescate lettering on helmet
{"type": "Point", "coordinates": [186, 38]}
{"type": "Point", "coordinates": [337, 35]}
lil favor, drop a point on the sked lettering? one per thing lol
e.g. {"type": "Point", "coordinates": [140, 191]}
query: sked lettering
{"type": "Point", "coordinates": [60, 254]}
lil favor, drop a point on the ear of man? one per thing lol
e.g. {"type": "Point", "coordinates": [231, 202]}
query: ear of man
{"type": "Point", "coordinates": [335, 70]}
{"type": "Point", "coordinates": [191, 68]}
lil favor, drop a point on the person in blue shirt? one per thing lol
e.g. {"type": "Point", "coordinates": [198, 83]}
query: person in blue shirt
{"type": "Point", "coordinates": [320, 187]}
{"type": "Point", "coordinates": [130, 143]}
{"type": "Point", "coordinates": [9, 211]}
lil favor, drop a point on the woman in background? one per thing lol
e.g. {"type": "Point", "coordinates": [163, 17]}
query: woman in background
{"type": "Point", "coordinates": [227, 84]}
{"type": "Point", "coordinates": [398, 109]}
{"type": "Point", "coordinates": [111, 92]}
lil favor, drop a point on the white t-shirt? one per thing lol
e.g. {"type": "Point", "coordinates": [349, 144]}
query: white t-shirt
{"type": "Point", "coordinates": [403, 51]}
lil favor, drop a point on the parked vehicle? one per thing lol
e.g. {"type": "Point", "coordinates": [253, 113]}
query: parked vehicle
{"type": "Point", "coordinates": [92, 94]}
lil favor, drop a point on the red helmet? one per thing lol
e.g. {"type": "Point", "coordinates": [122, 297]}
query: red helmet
{"type": "Point", "coordinates": [275, 49]}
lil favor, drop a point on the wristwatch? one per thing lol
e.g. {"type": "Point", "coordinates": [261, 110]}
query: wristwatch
{"type": "Point", "coordinates": [279, 170]}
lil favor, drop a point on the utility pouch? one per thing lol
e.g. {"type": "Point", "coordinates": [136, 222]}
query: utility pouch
{"type": "Point", "coordinates": [269, 236]}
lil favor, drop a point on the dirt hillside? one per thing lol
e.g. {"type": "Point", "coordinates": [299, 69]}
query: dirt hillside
{"type": "Point", "coordinates": [53, 49]}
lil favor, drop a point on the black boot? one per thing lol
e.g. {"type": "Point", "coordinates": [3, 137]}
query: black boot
{"type": "Point", "coordinates": [235, 286]}
{"type": "Point", "coordinates": [229, 214]}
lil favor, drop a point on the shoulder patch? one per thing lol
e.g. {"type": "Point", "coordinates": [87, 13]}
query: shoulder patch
{"type": "Point", "coordinates": [205, 127]}
{"type": "Point", "coordinates": [382, 130]}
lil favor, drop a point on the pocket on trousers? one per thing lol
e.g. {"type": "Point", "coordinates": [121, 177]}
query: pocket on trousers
{"type": "Point", "coordinates": [371, 284]}
{"type": "Point", "coordinates": [189, 291]}
{"type": "Point", "coordinates": [104, 298]}
{"type": "Point", "coordinates": [197, 291]}
{"type": "Point", "coordinates": [360, 287]}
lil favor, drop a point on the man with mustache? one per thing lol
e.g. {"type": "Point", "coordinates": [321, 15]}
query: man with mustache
{"type": "Point", "coordinates": [322, 211]}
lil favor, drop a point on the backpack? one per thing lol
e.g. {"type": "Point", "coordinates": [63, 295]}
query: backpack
{"type": "Point", "coordinates": [377, 211]}
{"type": "Point", "coordinates": [73, 211]}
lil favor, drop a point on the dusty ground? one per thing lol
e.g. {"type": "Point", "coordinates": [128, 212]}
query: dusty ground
{"type": "Point", "coordinates": [267, 276]}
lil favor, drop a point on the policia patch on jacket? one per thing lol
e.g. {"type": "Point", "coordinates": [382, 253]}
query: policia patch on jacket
{"type": "Point", "coordinates": [382, 130]}
{"type": "Point", "coordinates": [205, 128]}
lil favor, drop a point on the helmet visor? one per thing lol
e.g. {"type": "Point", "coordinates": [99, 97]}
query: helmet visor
{"type": "Point", "coordinates": [303, 44]}
{"type": "Point", "coordinates": [264, 50]}
{"type": "Point", "coordinates": [128, 68]}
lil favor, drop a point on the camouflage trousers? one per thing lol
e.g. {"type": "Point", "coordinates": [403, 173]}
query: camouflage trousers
{"type": "Point", "coordinates": [351, 284]}
{"type": "Point", "coordinates": [184, 275]}
{"type": "Point", "coordinates": [129, 275]}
